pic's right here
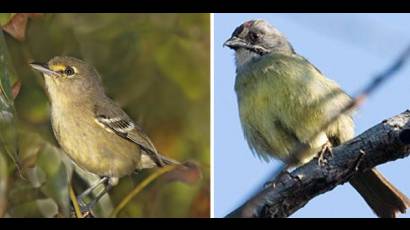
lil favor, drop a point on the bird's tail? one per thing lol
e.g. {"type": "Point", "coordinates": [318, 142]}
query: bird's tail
{"type": "Point", "coordinates": [167, 161]}
{"type": "Point", "coordinates": [385, 200]}
{"type": "Point", "coordinates": [150, 159]}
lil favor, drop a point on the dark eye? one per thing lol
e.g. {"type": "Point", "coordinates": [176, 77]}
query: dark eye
{"type": "Point", "coordinates": [253, 36]}
{"type": "Point", "coordinates": [69, 71]}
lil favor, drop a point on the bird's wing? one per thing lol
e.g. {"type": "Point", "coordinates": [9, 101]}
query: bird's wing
{"type": "Point", "coordinates": [309, 63]}
{"type": "Point", "coordinates": [113, 118]}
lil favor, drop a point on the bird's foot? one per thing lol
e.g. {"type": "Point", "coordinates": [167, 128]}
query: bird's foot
{"type": "Point", "coordinates": [85, 210]}
{"type": "Point", "coordinates": [81, 202]}
{"type": "Point", "coordinates": [88, 207]}
{"type": "Point", "coordinates": [324, 154]}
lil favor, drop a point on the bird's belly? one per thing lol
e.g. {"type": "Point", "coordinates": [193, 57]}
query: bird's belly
{"type": "Point", "coordinates": [268, 136]}
{"type": "Point", "coordinates": [283, 101]}
{"type": "Point", "coordinates": [259, 119]}
{"type": "Point", "coordinates": [95, 149]}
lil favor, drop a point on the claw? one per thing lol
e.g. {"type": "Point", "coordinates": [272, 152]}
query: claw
{"type": "Point", "coordinates": [86, 208]}
{"type": "Point", "coordinates": [326, 148]}
{"type": "Point", "coordinates": [85, 211]}
{"type": "Point", "coordinates": [81, 203]}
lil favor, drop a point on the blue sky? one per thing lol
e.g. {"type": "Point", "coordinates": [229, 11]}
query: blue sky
{"type": "Point", "coordinates": [348, 48]}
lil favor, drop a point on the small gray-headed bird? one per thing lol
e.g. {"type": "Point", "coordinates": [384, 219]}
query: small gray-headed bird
{"type": "Point", "coordinates": [283, 101]}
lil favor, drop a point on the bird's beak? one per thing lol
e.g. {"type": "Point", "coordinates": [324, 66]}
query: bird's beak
{"type": "Point", "coordinates": [235, 43]}
{"type": "Point", "coordinates": [43, 68]}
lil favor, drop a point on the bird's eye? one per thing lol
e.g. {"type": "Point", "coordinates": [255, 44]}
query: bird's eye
{"type": "Point", "coordinates": [253, 36]}
{"type": "Point", "coordinates": [69, 71]}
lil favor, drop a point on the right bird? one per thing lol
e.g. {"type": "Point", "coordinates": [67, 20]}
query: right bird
{"type": "Point", "coordinates": [283, 100]}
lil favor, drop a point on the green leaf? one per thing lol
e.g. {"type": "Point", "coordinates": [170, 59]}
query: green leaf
{"type": "Point", "coordinates": [36, 208]}
{"type": "Point", "coordinates": [7, 73]}
{"type": "Point", "coordinates": [8, 132]}
{"type": "Point", "coordinates": [3, 184]}
{"type": "Point", "coordinates": [47, 207]}
{"type": "Point", "coordinates": [183, 71]}
{"type": "Point", "coordinates": [5, 18]}
{"type": "Point", "coordinates": [57, 179]}
{"type": "Point", "coordinates": [48, 173]}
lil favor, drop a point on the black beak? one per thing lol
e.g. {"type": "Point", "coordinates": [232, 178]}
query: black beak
{"type": "Point", "coordinates": [235, 43]}
{"type": "Point", "coordinates": [43, 68]}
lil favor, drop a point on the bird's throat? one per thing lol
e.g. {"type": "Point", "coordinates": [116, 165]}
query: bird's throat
{"type": "Point", "coordinates": [244, 57]}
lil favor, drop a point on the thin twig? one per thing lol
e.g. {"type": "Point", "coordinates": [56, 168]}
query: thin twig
{"type": "Point", "coordinates": [73, 198]}
{"type": "Point", "coordinates": [140, 187]}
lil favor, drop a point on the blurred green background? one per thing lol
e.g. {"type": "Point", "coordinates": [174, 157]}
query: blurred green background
{"type": "Point", "coordinates": [156, 66]}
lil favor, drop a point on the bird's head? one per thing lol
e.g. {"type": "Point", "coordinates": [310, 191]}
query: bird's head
{"type": "Point", "coordinates": [69, 77]}
{"type": "Point", "coordinates": [256, 38]}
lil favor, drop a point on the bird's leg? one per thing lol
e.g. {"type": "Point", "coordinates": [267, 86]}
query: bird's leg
{"type": "Point", "coordinates": [326, 148]}
{"type": "Point", "coordinates": [90, 205]}
{"type": "Point", "coordinates": [89, 190]}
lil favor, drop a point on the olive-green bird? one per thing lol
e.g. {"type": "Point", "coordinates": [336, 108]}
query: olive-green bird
{"type": "Point", "coordinates": [283, 100]}
{"type": "Point", "coordinates": [91, 128]}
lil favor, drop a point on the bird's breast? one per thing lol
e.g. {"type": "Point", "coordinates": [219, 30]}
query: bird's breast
{"type": "Point", "coordinates": [282, 102]}
{"type": "Point", "coordinates": [92, 147]}
{"type": "Point", "coordinates": [262, 102]}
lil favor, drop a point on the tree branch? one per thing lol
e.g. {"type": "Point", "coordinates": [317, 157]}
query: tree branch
{"type": "Point", "coordinates": [387, 141]}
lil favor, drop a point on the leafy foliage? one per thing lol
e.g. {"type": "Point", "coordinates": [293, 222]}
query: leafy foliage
{"type": "Point", "coordinates": [156, 66]}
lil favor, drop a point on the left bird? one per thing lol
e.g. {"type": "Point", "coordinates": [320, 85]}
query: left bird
{"type": "Point", "coordinates": [91, 128]}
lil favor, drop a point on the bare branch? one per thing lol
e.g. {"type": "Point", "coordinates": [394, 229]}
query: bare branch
{"type": "Point", "coordinates": [387, 141]}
